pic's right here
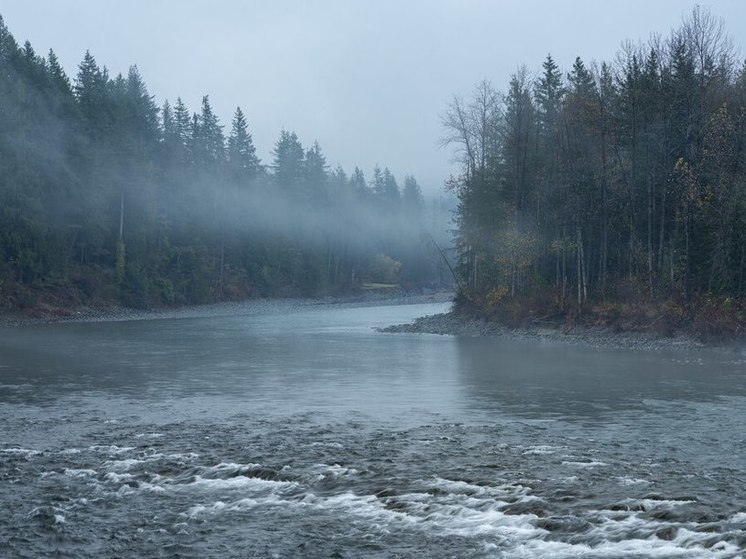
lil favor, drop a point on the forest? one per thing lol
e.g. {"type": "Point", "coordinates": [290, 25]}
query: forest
{"type": "Point", "coordinates": [108, 198]}
{"type": "Point", "coordinates": [614, 192]}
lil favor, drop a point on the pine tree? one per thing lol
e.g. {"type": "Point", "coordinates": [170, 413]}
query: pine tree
{"type": "Point", "coordinates": [377, 184]}
{"type": "Point", "coordinates": [210, 142]}
{"type": "Point", "coordinates": [287, 165]}
{"type": "Point", "coordinates": [59, 81]}
{"type": "Point", "coordinates": [412, 195]}
{"type": "Point", "coordinates": [390, 188]}
{"type": "Point", "coordinates": [168, 127]}
{"type": "Point", "coordinates": [359, 184]}
{"type": "Point", "coordinates": [518, 141]}
{"type": "Point", "coordinates": [243, 163]}
{"type": "Point", "coordinates": [315, 173]}
{"type": "Point", "coordinates": [143, 110]}
{"type": "Point", "coordinates": [549, 93]}
{"type": "Point", "coordinates": [183, 130]}
{"type": "Point", "coordinates": [91, 93]}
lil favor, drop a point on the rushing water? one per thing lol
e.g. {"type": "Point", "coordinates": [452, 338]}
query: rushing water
{"type": "Point", "coordinates": [302, 432]}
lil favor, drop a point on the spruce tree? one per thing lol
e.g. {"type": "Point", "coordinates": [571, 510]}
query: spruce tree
{"type": "Point", "coordinates": [243, 163]}
{"type": "Point", "coordinates": [183, 130]}
{"type": "Point", "coordinates": [210, 139]}
{"type": "Point", "coordinates": [412, 195]}
{"type": "Point", "coordinates": [287, 164]}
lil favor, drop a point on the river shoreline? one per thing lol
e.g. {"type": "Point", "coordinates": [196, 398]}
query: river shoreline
{"type": "Point", "coordinates": [456, 324]}
{"type": "Point", "coordinates": [251, 306]}
{"type": "Point", "coordinates": [450, 324]}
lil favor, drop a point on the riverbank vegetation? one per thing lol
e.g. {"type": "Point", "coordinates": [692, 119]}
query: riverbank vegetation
{"type": "Point", "coordinates": [108, 198]}
{"type": "Point", "coordinates": [612, 194]}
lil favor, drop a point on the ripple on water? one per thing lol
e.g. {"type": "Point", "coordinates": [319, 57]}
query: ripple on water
{"type": "Point", "coordinates": [438, 490]}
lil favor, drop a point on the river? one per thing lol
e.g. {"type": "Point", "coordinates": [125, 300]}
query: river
{"type": "Point", "coordinates": [300, 431]}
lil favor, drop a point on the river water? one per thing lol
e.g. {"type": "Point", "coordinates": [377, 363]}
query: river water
{"type": "Point", "coordinates": [299, 431]}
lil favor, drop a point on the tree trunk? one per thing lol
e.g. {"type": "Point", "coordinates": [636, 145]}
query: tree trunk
{"type": "Point", "coordinates": [579, 253]}
{"type": "Point", "coordinates": [604, 207]}
{"type": "Point", "coordinates": [121, 215]}
{"type": "Point", "coordinates": [650, 236]}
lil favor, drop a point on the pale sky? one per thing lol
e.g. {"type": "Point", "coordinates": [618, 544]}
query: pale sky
{"type": "Point", "coordinates": [366, 78]}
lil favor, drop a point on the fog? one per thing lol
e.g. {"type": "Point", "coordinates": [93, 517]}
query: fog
{"type": "Point", "coordinates": [107, 194]}
{"type": "Point", "coordinates": [95, 175]}
{"type": "Point", "coordinates": [366, 79]}
{"type": "Point", "coordinates": [592, 223]}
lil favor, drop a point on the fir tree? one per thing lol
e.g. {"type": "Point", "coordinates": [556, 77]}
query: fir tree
{"type": "Point", "coordinates": [244, 165]}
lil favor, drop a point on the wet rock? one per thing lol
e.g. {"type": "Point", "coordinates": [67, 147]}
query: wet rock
{"type": "Point", "coordinates": [667, 534]}
{"type": "Point", "coordinates": [526, 507]}
{"type": "Point", "coordinates": [563, 524]}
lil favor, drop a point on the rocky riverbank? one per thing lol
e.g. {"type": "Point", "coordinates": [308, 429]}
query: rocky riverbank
{"type": "Point", "coordinates": [456, 324]}
{"type": "Point", "coordinates": [451, 323]}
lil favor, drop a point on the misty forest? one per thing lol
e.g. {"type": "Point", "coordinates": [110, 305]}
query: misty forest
{"type": "Point", "coordinates": [214, 348]}
{"type": "Point", "coordinates": [106, 197]}
{"type": "Point", "coordinates": [615, 191]}
{"type": "Point", "coordinates": [614, 183]}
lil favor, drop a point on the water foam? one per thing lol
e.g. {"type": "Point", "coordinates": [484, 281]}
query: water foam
{"type": "Point", "coordinates": [582, 464]}
{"type": "Point", "coordinates": [111, 449]}
{"type": "Point", "coordinates": [541, 449]}
{"type": "Point", "coordinates": [20, 451]}
{"type": "Point", "coordinates": [625, 480]}
{"type": "Point", "coordinates": [82, 472]}
{"type": "Point", "coordinates": [238, 482]}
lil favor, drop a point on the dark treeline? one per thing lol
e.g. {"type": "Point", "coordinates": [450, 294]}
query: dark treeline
{"type": "Point", "coordinates": [619, 181]}
{"type": "Point", "coordinates": [107, 195]}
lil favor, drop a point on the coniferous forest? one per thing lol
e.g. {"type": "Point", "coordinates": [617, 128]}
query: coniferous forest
{"type": "Point", "coordinates": [107, 197]}
{"type": "Point", "coordinates": [614, 183]}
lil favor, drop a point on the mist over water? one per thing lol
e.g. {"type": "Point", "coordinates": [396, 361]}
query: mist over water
{"type": "Point", "coordinates": [286, 431]}
{"type": "Point", "coordinates": [109, 196]}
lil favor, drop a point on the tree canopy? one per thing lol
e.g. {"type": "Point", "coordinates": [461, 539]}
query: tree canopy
{"type": "Point", "coordinates": [618, 181]}
{"type": "Point", "coordinates": [106, 195]}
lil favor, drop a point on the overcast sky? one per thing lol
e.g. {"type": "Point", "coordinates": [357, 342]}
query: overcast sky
{"type": "Point", "coordinates": [366, 78]}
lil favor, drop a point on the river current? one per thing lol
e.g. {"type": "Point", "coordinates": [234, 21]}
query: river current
{"type": "Point", "coordinates": [300, 431]}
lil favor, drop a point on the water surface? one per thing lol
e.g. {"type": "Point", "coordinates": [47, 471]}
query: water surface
{"type": "Point", "coordinates": [302, 432]}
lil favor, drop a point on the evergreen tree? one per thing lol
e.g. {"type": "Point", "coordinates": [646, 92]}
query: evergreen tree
{"type": "Point", "coordinates": [91, 93]}
{"type": "Point", "coordinates": [315, 171]}
{"type": "Point", "coordinates": [412, 195]}
{"type": "Point", "coordinates": [208, 137]}
{"type": "Point", "coordinates": [143, 112]}
{"type": "Point", "coordinates": [168, 126]}
{"type": "Point", "coordinates": [287, 164]}
{"type": "Point", "coordinates": [519, 138]}
{"type": "Point", "coordinates": [549, 92]}
{"type": "Point", "coordinates": [60, 87]}
{"type": "Point", "coordinates": [315, 167]}
{"type": "Point", "coordinates": [390, 188]}
{"type": "Point", "coordinates": [358, 183]}
{"type": "Point", "coordinates": [183, 130]}
{"type": "Point", "coordinates": [244, 165]}
{"type": "Point", "coordinates": [377, 184]}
